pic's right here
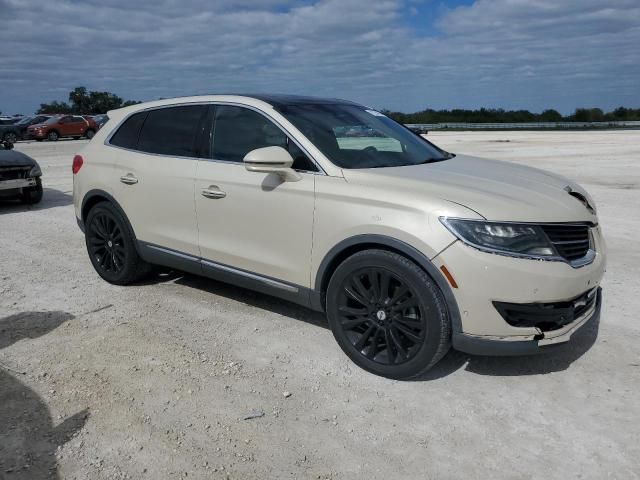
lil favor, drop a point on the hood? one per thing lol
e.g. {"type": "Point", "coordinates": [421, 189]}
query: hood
{"type": "Point", "coordinates": [499, 191]}
{"type": "Point", "coordinates": [11, 158]}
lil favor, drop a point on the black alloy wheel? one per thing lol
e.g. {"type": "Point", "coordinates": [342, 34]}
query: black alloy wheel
{"type": "Point", "coordinates": [111, 247]}
{"type": "Point", "coordinates": [53, 136]}
{"type": "Point", "coordinates": [11, 137]}
{"type": "Point", "coordinates": [106, 243]}
{"type": "Point", "coordinates": [381, 315]}
{"type": "Point", "coordinates": [387, 314]}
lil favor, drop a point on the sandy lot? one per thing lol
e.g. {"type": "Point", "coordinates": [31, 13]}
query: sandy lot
{"type": "Point", "coordinates": [154, 380]}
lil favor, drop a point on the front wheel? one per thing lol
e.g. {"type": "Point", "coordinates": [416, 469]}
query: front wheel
{"type": "Point", "coordinates": [53, 136]}
{"type": "Point", "coordinates": [111, 246]}
{"type": "Point", "coordinates": [387, 314]}
{"type": "Point", "coordinates": [32, 195]}
{"type": "Point", "coordinates": [89, 134]}
{"type": "Point", "coordinates": [11, 137]}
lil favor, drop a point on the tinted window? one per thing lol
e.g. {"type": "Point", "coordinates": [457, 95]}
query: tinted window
{"type": "Point", "coordinates": [172, 131]}
{"type": "Point", "coordinates": [239, 130]}
{"type": "Point", "coordinates": [127, 134]}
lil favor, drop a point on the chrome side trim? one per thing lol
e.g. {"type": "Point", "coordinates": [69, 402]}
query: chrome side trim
{"type": "Point", "coordinates": [173, 252]}
{"type": "Point", "coordinates": [254, 276]}
{"type": "Point", "coordinates": [219, 266]}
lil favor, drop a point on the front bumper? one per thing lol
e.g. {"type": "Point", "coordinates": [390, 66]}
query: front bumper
{"type": "Point", "coordinates": [485, 345]}
{"type": "Point", "coordinates": [17, 183]}
{"type": "Point", "coordinates": [485, 280]}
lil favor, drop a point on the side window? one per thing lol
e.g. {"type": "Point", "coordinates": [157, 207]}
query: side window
{"type": "Point", "coordinates": [238, 130]}
{"type": "Point", "coordinates": [127, 134]}
{"type": "Point", "coordinates": [172, 131]}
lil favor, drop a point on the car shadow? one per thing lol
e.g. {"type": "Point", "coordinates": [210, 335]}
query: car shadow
{"type": "Point", "coordinates": [239, 294]}
{"type": "Point", "coordinates": [51, 198]}
{"type": "Point", "coordinates": [554, 359]}
{"type": "Point", "coordinates": [28, 438]}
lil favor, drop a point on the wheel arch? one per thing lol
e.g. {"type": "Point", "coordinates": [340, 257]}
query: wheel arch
{"type": "Point", "coordinates": [358, 243]}
{"type": "Point", "coordinates": [93, 197]}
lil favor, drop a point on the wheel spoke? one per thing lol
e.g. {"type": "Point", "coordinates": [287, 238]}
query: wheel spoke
{"type": "Point", "coordinates": [360, 344]}
{"type": "Point", "coordinates": [410, 322]}
{"type": "Point", "coordinates": [391, 355]}
{"type": "Point", "coordinates": [397, 343]}
{"type": "Point", "coordinates": [352, 311]}
{"type": "Point", "coordinates": [401, 291]}
{"type": "Point", "coordinates": [351, 324]}
{"type": "Point", "coordinates": [384, 286]}
{"type": "Point", "coordinates": [351, 293]}
{"type": "Point", "coordinates": [374, 281]}
{"type": "Point", "coordinates": [415, 338]}
{"type": "Point", "coordinates": [409, 302]}
{"type": "Point", "coordinates": [373, 348]}
{"type": "Point", "coordinates": [357, 283]}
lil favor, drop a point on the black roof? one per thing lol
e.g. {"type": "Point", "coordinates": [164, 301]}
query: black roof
{"type": "Point", "coordinates": [280, 100]}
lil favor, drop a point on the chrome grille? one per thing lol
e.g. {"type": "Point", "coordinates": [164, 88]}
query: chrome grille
{"type": "Point", "coordinates": [14, 173]}
{"type": "Point", "coordinates": [572, 242]}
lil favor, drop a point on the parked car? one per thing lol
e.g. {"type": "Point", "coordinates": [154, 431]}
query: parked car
{"type": "Point", "coordinates": [100, 120]}
{"type": "Point", "coordinates": [408, 249]}
{"type": "Point", "coordinates": [8, 120]}
{"type": "Point", "coordinates": [17, 131]}
{"type": "Point", "coordinates": [75, 126]}
{"type": "Point", "coordinates": [20, 176]}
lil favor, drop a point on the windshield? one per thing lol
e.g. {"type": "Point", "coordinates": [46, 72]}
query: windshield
{"type": "Point", "coordinates": [24, 121]}
{"type": "Point", "coordinates": [51, 120]}
{"type": "Point", "coordinates": [356, 137]}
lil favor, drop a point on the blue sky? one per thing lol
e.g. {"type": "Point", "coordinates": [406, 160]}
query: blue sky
{"type": "Point", "coordinates": [398, 54]}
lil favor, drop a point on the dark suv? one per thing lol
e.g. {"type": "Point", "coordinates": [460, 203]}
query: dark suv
{"type": "Point", "coordinates": [17, 131]}
{"type": "Point", "coordinates": [54, 128]}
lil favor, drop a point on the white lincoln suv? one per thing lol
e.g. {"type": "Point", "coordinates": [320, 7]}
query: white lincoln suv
{"type": "Point", "coordinates": [408, 249]}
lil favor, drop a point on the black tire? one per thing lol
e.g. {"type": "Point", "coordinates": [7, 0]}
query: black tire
{"type": "Point", "coordinates": [39, 139]}
{"type": "Point", "coordinates": [90, 133]}
{"type": "Point", "coordinates": [111, 246]}
{"type": "Point", "coordinates": [387, 314]}
{"type": "Point", "coordinates": [53, 136]}
{"type": "Point", "coordinates": [32, 195]}
{"type": "Point", "coordinates": [11, 137]}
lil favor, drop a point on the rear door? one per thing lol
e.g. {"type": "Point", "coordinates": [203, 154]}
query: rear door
{"type": "Point", "coordinates": [157, 161]}
{"type": "Point", "coordinates": [256, 222]}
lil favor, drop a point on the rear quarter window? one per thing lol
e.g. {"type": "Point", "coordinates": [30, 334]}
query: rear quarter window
{"type": "Point", "coordinates": [127, 135]}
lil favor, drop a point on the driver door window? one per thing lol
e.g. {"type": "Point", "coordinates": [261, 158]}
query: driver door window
{"type": "Point", "coordinates": [239, 130]}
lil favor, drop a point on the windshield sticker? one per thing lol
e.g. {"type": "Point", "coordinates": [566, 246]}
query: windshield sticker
{"type": "Point", "coordinates": [375, 114]}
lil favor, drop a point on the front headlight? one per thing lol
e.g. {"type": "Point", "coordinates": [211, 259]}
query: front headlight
{"type": "Point", "coordinates": [515, 239]}
{"type": "Point", "coordinates": [35, 171]}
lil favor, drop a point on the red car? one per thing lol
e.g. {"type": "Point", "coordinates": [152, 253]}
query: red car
{"type": "Point", "coordinates": [74, 126]}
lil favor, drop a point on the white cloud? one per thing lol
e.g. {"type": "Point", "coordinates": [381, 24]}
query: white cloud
{"type": "Point", "coordinates": [508, 53]}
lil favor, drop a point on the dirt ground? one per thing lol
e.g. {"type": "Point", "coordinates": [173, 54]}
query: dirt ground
{"type": "Point", "coordinates": [154, 381]}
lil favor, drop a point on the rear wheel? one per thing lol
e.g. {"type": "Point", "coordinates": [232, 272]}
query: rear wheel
{"type": "Point", "coordinates": [111, 247]}
{"type": "Point", "coordinates": [387, 314]}
{"type": "Point", "coordinates": [53, 136]}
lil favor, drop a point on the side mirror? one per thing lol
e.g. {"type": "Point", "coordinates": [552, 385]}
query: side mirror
{"type": "Point", "coordinates": [271, 160]}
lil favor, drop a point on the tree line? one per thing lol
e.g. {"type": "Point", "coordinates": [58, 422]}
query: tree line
{"type": "Point", "coordinates": [83, 102]}
{"type": "Point", "coordinates": [488, 115]}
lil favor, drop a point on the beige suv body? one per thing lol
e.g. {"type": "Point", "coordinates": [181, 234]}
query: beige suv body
{"type": "Point", "coordinates": [322, 202]}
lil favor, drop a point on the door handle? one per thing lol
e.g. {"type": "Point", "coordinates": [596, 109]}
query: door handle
{"type": "Point", "coordinates": [213, 192]}
{"type": "Point", "coordinates": [129, 179]}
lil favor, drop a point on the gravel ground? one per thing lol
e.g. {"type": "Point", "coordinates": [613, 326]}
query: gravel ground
{"type": "Point", "coordinates": [155, 380]}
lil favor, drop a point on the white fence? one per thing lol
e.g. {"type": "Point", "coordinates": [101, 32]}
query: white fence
{"type": "Point", "coordinates": [523, 126]}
